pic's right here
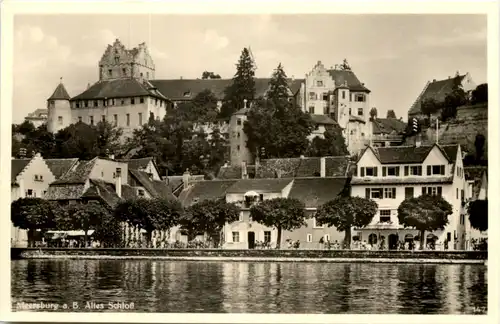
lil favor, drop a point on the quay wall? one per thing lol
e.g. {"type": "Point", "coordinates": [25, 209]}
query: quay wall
{"type": "Point", "coordinates": [252, 255]}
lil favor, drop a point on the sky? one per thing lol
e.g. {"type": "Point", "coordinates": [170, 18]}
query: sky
{"type": "Point", "coordinates": [394, 55]}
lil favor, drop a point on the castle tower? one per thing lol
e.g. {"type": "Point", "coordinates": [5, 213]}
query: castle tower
{"type": "Point", "coordinates": [118, 62]}
{"type": "Point", "coordinates": [238, 139]}
{"type": "Point", "coordinates": [59, 110]}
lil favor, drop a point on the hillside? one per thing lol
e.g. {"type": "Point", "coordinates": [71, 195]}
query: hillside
{"type": "Point", "coordinates": [470, 121]}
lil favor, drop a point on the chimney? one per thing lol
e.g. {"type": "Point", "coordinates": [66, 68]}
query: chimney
{"type": "Point", "coordinates": [244, 174]}
{"type": "Point", "coordinates": [185, 179]}
{"type": "Point", "coordinates": [322, 167]}
{"type": "Point", "coordinates": [118, 184]}
{"type": "Point", "coordinates": [433, 80]}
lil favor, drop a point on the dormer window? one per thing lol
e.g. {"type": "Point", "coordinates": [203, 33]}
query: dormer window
{"type": "Point", "coordinates": [435, 170]}
{"type": "Point", "coordinates": [390, 171]}
{"type": "Point", "coordinates": [369, 171]}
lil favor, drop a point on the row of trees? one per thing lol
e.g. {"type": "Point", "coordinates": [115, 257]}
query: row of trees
{"type": "Point", "coordinates": [424, 213]}
{"type": "Point", "coordinates": [374, 114]}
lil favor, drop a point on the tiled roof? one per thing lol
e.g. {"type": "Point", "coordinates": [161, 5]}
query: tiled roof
{"type": "Point", "coordinates": [155, 188]}
{"type": "Point", "coordinates": [316, 191]}
{"type": "Point", "coordinates": [119, 88]}
{"type": "Point", "coordinates": [17, 166]}
{"type": "Point", "coordinates": [187, 89]}
{"type": "Point", "coordinates": [450, 151]}
{"type": "Point", "coordinates": [262, 185]}
{"type": "Point", "coordinates": [78, 175]}
{"type": "Point", "coordinates": [402, 154]}
{"type": "Point", "coordinates": [105, 191]}
{"type": "Point", "coordinates": [436, 90]}
{"type": "Point", "coordinates": [341, 76]}
{"type": "Point", "coordinates": [137, 164]}
{"type": "Point", "coordinates": [323, 120]}
{"type": "Point", "coordinates": [405, 180]}
{"type": "Point", "coordinates": [65, 191]}
{"type": "Point", "coordinates": [59, 167]}
{"type": "Point", "coordinates": [205, 190]}
{"type": "Point", "coordinates": [357, 119]}
{"type": "Point", "coordinates": [60, 93]}
{"type": "Point", "coordinates": [388, 126]}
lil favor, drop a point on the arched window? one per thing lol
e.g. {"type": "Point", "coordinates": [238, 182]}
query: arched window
{"type": "Point", "coordinates": [372, 239]}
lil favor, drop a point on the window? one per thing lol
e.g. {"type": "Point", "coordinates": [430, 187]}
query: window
{"type": "Point", "coordinates": [79, 119]}
{"type": "Point", "coordinates": [96, 103]}
{"type": "Point", "coordinates": [457, 193]}
{"type": "Point", "coordinates": [267, 236]}
{"type": "Point", "coordinates": [435, 170]}
{"type": "Point", "coordinates": [29, 193]}
{"type": "Point", "coordinates": [432, 191]}
{"type": "Point", "coordinates": [141, 74]}
{"type": "Point", "coordinates": [60, 120]}
{"type": "Point", "coordinates": [390, 193]}
{"type": "Point", "coordinates": [409, 192]}
{"type": "Point", "coordinates": [311, 110]}
{"type": "Point", "coordinates": [110, 72]}
{"type": "Point", "coordinates": [140, 118]}
{"type": "Point", "coordinates": [319, 83]}
{"type": "Point", "coordinates": [115, 117]}
{"type": "Point", "coordinates": [147, 75]}
{"type": "Point", "coordinates": [132, 101]}
{"type": "Point", "coordinates": [141, 100]}
{"type": "Point", "coordinates": [374, 193]}
{"type": "Point", "coordinates": [313, 96]}
{"type": "Point", "coordinates": [117, 59]}
{"type": "Point", "coordinates": [86, 103]}
{"type": "Point", "coordinates": [124, 71]}
{"type": "Point", "coordinates": [316, 225]}
{"type": "Point", "coordinates": [369, 171]}
{"type": "Point", "coordinates": [52, 102]}
{"type": "Point", "coordinates": [140, 193]}
{"type": "Point", "coordinates": [385, 215]}
{"type": "Point", "coordinates": [103, 118]}
{"type": "Point", "coordinates": [359, 97]}
{"type": "Point", "coordinates": [236, 237]}
{"type": "Point", "coordinates": [77, 104]}
{"type": "Point", "coordinates": [325, 110]}
{"type": "Point", "coordinates": [38, 177]}
{"type": "Point", "coordinates": [325, 96]}
{"type": "Point", "coordinates": [309, 238]}
{"type": "Point", "coordinates": [390, 171]}
{"type": "Point", "coordinates": [462, 195]}
{"type": "Point", "coordinates": [448, 236]}
{"type": "Point", "coordinates": [261, 197]}
{"type": "Point", "coordinates": [360, 111]}
{"type": "Point", "coordinates": [238, 147]}
{"type": "Point", "coordinates": [238, 122]}
{"type": "Point", "coordinates": [91, 120]}
{"type": "Point", "coordinates": [343, 94]}
{"type": "Point", "coordinates": [415, 170]}
{"type": "Point", "coordinates": [350, 111]}
{"type": "Point", "coordinates": [128, 119]}
{"type": "Point", "coordinates": [151, 115]}
{"type": "Point", "coordinates": [326, 237]}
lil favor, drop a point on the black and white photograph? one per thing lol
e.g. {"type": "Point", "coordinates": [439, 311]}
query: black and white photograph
{"type": "Point", "coordinates": [250, 163]}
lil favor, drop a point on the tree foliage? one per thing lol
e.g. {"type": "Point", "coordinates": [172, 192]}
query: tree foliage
{"type": "Point", "coordinates": [478, 214]}
{"type": "Point", "coordinates": [242, 87]}
{"type": "Point", "coordinates": [430, 106]}
{"type": "Point", "coordinates": [149, 214]}
{"type": "Point", "coordinates": [391, 114]}
{"type": "Point", "coordinates": [209, 216]}
{"type": "Point", "coordinates": [32, 214]}
{"type": "Point", "coordinates": [424, 213]}
{"type": "Point", "coordinates": [479, 144]}
{"type": "Point", "coordinates": [202, 109]}
{"type": "Point", "coordinates": [373, 113]}
{"type": "Point", "coordinates": [333, 144]}
{"type": "Point", "coordinates": [345, 212]}
{"type": "Point", "coordinates": [281, 213]}
{"type": "Point", "coordinates": [480, 94]}
{"type": "Point", "coordinates": [209, 75]}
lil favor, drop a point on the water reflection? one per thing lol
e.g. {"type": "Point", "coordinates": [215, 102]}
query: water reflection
{"type": "Point", "coordinates": [238, 287]}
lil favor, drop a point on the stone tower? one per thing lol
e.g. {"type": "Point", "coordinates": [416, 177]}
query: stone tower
{"type": "Point", "coordinates": [59, 109]}
{"type": "Point", "coordinates": [238, 139]}
{"type": "Point", "coordinates": [118, 62]}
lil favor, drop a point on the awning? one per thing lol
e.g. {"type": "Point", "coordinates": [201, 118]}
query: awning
{"type": "Point", "coordinates": [69, 233]}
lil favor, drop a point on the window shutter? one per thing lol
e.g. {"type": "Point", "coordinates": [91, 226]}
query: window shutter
{"type": "Point", "coordinates": [393, 193]}
{"type": "Point", "coordinates": [429, 169]}
{"type": "Point", "coordinates": [362, 171]}
{"type": "Point", "coordinates": [440, 191]}
{"type": "Point", "coordinates": [375, 171]}
{"type": "Point", "coordinates": [367, 193]}
{"type": "Point", "coordinates": [423, 190]}
{"type": "Point", "coordinates": [442, 170]}
{"type": "Point", "coordinates": [384, 171]}
{"type": "Point", "coordinates": [407, 170]}
{"type": "Point", "coordinates": [397, 171]}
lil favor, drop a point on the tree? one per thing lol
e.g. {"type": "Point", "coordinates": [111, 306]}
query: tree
{"type": "Point", "coordinates": [281, 213]}
{"type": "Point", "coordinates": [278, 87]}
{"type": "Point", "coordinates": [81, 216]}
{"type": "Point", "coordinates": [453, 100]}
{"type": "Point", "coordinates": [209, 75]}
{"type": "Point", "coordinates": [109, 231]}
{"type": "Point", "coordinates": [480, 94]}
{"type": "Point", "coordinates": [333, 144]}
{"type": "Point", "coordinates": [77, 140]}
{"type": "Point", "coordinates": [430, 106]}
{"type": "Point", "coordinates": [424, 213]}
{"type": "Point", "coordinates": [209, 216]}
{"type": "Point", "coordinates": [218, 150]}
{"type": "Point", "coordinates": [202, 109]}
{"type": "Point", "coordinates": [345, 212]}
{"type": "Point", "coordinates": [242, 87]}
{"type": "Point", "coordinates": [24, 128]}
{"type": "Point", "coordinates": [478, 214]}
{"type": "Point", "coordinates": [149, 214]}
{"type": "Point", "coordinates": [40, 141]}
{"type": "Point", "coordinates": [108, 138]}
{"type": "Point", "coordinates": [32, 214]}
{"type": "Point", "coordinates": [391, 114]}
{"type": "Point", "coordinates": [479, 143]}
{"type": "Point", "coordinates": [373, 113]}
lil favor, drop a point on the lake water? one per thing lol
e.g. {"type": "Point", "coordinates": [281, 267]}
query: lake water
{"type": "Point", "coordinates": [249, 287]}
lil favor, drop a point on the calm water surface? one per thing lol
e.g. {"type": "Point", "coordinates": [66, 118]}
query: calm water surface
{"type": "Point", "coordinates": [240, 287]}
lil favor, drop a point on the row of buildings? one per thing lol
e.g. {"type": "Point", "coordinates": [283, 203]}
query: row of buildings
{"type": "Point", "coordinates": [127, 95]}
{"type": "Point", "coordinates": [386, 175]}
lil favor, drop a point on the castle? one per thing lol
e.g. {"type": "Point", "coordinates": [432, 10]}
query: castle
{"type": "Point", "coordinates": [127, 95]}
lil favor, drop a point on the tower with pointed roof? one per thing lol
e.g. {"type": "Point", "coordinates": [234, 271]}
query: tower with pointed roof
{"type": "Point", "coordinates": [59, 109]}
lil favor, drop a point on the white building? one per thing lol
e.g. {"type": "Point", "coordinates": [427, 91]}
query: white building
{"type": "Point", "coordinates": [388, 175]}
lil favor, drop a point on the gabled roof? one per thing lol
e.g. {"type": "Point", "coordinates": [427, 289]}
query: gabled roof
{"type": "Point", "coordinates": [59, 167]}
{"type": "Point", "coordinates": [347, 76]}
{"type": "Point", "coordinates": [205, 190]}
{"type": "Point", "coordinates": [436, 90]}
{"type": "Point", "coordinates": [411, 154]}
{"type": "Point", "coordinates": [17, 166]}
{"type": "Point", "coordinates": [187, 89]}
{"type": "Point", "coordinates": [155, 188]}
{"type": "Point", "coordinates": [261, 185]}
{"type": "Point", "coordinates": [77, 175]}
{"type": "Point", "coordinates": [119, 88]}
{"type": "Point", "coordinates": [322, 120]}
{"type": "Point", "coordinates": [106, 191]}
{"type": "Point", "coordinates": [388, 126]}
{"type": "Point", "coordinates": [138, 164]}
{"type": "Point", "coordinates": [60, 93]}
{"type": "Point", "coordinates": [314, 192]}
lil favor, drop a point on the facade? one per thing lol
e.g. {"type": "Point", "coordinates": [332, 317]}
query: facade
{"type": "Point", "coordinates": [476, 189]}
{"type": "Point", "coordinates": [29, 178]}
{"type": "Point", "coordinates": [239, 151]}
{"type": "Point", "coordinates": [38, 117]}
{"type": "Point", "coordinates": [388, 175]}
{"type": "Point", "coordinates": [438, 90]}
